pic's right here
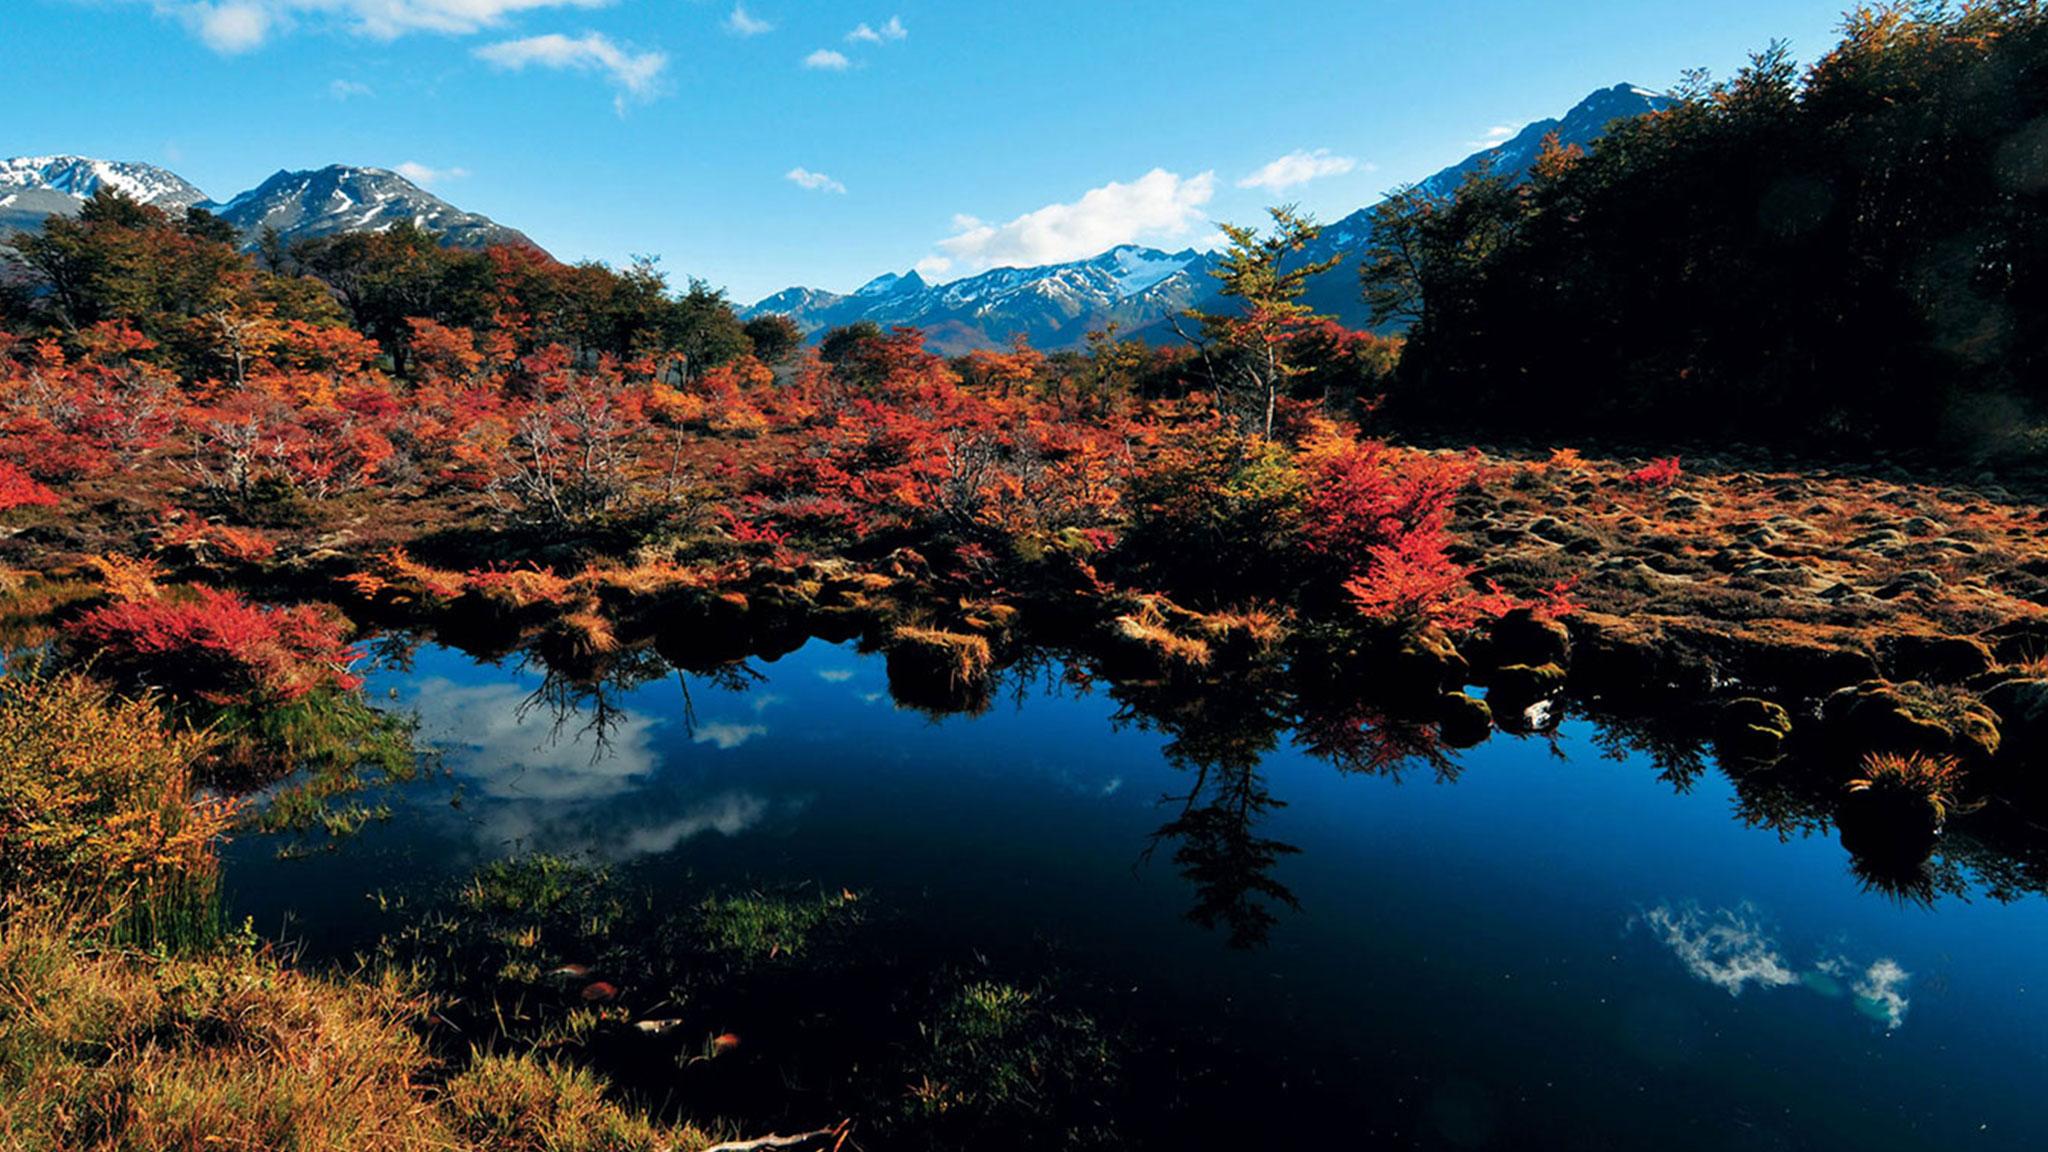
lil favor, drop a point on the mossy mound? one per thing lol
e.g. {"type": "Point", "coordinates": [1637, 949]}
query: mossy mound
{"type": "Point", "coordinates": [1516, 688]}
{"type": "Point", "coordinates": [1880, 716]}
{"type": "Point", "coordinates": [1524, 636]}
{"type": "Point", "coordinates": [937, 670]}
{"type": "Point", "coordinates": [1936, 659]}
{"type": "Point", "coordinates": [1463, 720]}
{"type": "Point", "coordinates": [1752, 728]}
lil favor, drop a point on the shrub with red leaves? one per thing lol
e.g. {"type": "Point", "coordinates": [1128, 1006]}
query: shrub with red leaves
{"type": "Point", "coordinates": [1361, 496]}
{"type": "Point", "coordinates": [1412, 581]}
{"type": "Point", "coordinates": [1659, 473]}
{"type": "Point", "coordinates": [216, 647]}
{"type": "Point", "coordinates": [19, 490]}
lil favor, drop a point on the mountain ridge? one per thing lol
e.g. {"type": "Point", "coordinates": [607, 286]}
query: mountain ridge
{"type": "Point", "coordinates": [1145, 310]}
{"type": "Point", "coordinates": [302, 204]}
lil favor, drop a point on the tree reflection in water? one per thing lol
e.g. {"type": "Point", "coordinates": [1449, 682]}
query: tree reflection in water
{"type": "Point", "coordinates": [1219, 732]}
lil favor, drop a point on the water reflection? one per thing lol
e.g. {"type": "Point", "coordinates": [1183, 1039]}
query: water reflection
{"type": "Point", "coordinates": [1731, 949]}
{"type": "Point", "coordinates": [567, 765]}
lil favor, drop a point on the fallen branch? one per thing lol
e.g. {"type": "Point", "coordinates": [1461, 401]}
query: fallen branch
{"type": "Point", "coordinates": [825, 1139]}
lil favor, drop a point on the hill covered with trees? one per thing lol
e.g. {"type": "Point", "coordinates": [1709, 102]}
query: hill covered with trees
{"type": "Point", "coordinates": [1853, 255]}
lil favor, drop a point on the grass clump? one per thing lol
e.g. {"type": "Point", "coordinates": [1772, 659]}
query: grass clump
{"type": "Point", "coordinates": [526, 1103]}
{"type": "Point", "coordinates": [1003, 1061]}
{"type": "Point", "coordinates": [938, 670]}
{"type": "Point", "coordinates": [757, 927]}
{"type": "Point", "coordinates": [1911, 779]}
{"type": "Point", "coordinates": [97, 820]}
{"type": "Point", "coordinates": [131, 1022]}
{"type": "Point", "coordinates": [113, 1050]}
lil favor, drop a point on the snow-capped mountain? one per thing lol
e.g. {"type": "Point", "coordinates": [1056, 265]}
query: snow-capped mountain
{"type": "Point", "coordinates": [338, 198]}
{"type": "Point", "coordinates": [33, 187]}
{"type": "Point", "coordinates": [1055, 305]}
{"type": "Point", "coordinates": [299, 205]}
{"type": "Point", "coordinates": [1141, 289]}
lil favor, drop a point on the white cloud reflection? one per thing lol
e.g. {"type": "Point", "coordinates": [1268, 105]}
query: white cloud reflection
{"type": "Point", "coordinates": [487, 740]}
{"type": "Point", "coordinates": [1732, 950]}
{"type": "Point", "coordinates": [556, 787]}
{"type": "Point", "coordinates": [1728, 949]}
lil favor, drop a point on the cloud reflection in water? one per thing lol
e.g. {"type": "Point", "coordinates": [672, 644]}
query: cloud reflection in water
{"type": "Point", "coordinates": [548, 781]}
{"type": "Point", "coordinates": [1730, 949]}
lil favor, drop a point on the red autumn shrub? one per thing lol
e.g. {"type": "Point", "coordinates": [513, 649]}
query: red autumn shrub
{"type": "Point", "coordinates": [1413, 581]}
{"type": "Point", "coordinates": [1361, 496]}
{"type": "Point", "coordinates": [19, 490]}
{"type": "Point", "coordinates": [205, 542]}
{"type": "Point", "coordinates": [216, 647]}
{"type": "Point", "coordinates": [1662, 472]}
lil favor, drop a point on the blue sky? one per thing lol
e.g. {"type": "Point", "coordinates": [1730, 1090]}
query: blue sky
{"type": "Point", "coordinates": [822, 142]}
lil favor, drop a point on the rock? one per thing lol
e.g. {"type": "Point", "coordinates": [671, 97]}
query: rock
{"type": "Point", "coordinates": [1427, 658]}
{"type": "Point", "coordinates": [1463, 720]}
{"type": "Point", "coordinates": [1524, 637]}
{"type": "Point", "coordinates": [1918, 581]}
{"type": "Point", "coordinates": [2018, 642]}
{"type": "Point", "coordinates": [1752, 728]}
{"type": "Point", "coordinates": [1880, 716]}
{"type": "Point", "coordinates": [1935, 659]}
{"type": "Point", "coordinates": [2022, 710]}
{"type": "Point", "coordinates": [1516, 687]}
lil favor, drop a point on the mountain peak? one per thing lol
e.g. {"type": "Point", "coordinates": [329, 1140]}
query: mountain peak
{"type": "Point", "coordinates": [892, 284]}
{"type": "Point", "coordinates": [299, 204]}
{"type": "Point", "coordinates": [350, 198]}
{"type": "Point", "coordinates": [81, 176]}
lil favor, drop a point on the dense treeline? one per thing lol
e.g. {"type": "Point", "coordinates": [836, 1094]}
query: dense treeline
{"type": "Point", "coordinates": [1856, 255]}
{"type": "Point", "coordinates": [180, 282]}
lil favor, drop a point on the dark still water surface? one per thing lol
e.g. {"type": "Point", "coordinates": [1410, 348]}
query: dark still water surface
{"type": "Point", "coordinates": [1560, 947]}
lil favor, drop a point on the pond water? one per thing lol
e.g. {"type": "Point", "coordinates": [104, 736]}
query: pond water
{"type": "Point", "coordinates": [1556, 942]}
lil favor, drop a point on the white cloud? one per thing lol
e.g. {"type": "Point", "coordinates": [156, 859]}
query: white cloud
{"type": "Point", "coordinates": [636, 74]}
{"type": "Point", "coordinates": [826, 60]}
{"type": "Point", "coordinates": [1158, 205]}
{"type": "Point", "coordinates": [1298, 167]}
{"type": "Point", "coordinates": [348, 90]}
{"type": "Point", "coordinates": [745, 23]}
{"type": "Point", "coordinates": [815, 181]}
{"type": "Point", "coordinates": [427, 177]}
{"type": "Point", "coordinates": [887, 33]}
{"type": "Point", "coordinates": [486, 738]}
{"type": "Point", "coordinates": [235, 26]}
{"type": "Point", "coordinates": [230, 28]}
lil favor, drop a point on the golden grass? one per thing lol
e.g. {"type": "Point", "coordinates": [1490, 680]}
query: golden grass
{"type": "Point", "coordinates": [961, 659]}
{"type": "Point", "coordinates": [97, 817]}
{"type": "Point", "coordinates": [1148, 631]}
{"type": "Point", "coordinates": [109, 1050]}
{"type": "Point", "coordinates": [1934, 779]}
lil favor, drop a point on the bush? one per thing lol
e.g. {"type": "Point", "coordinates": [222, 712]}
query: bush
{"type": "Point", "coordinates": [96, 817]}
{"type": "Point", "coordinates": [1216, 521]}
{"type": "Point", "coordinates": [19, 490]}
{"type": "Point", "coordinates": [216, 647]}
